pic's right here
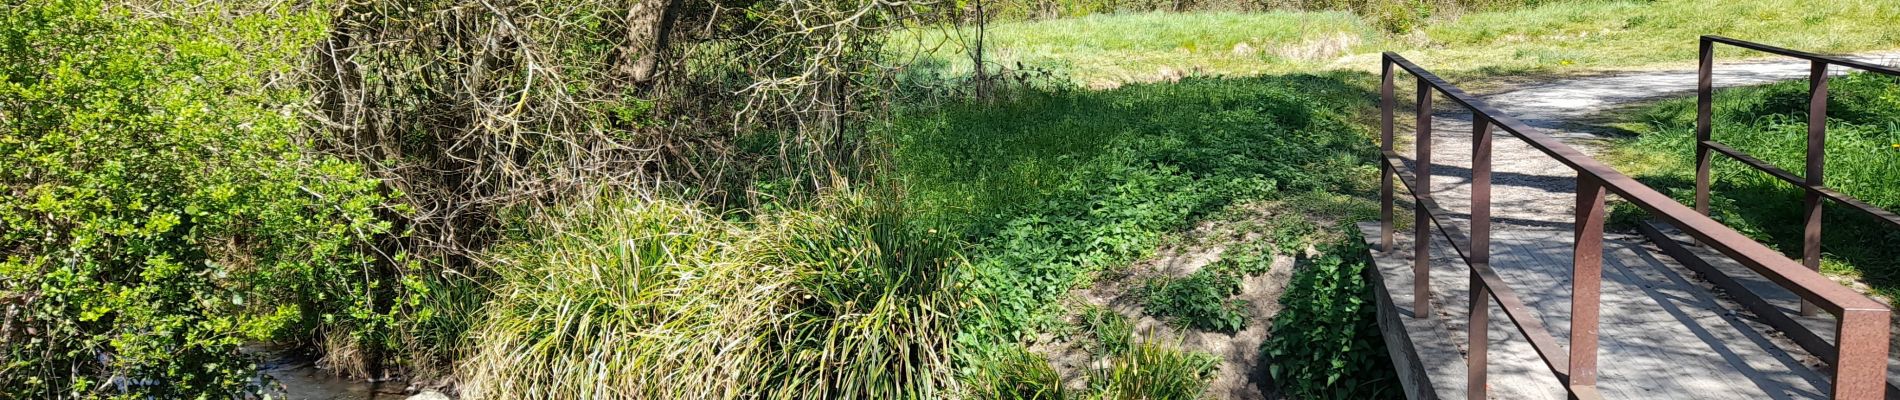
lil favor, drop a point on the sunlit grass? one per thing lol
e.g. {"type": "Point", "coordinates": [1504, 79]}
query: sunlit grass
{"type": "Point", "coordinates": [1584, 35]}
{"type": "Point", "coordinates": [1770, 122]}
{"type": "Point", "coordinates": [1099, 50]}
{"type": "Point", "coordinates": [1552, 38]}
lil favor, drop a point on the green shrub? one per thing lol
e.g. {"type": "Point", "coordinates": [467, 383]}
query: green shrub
{"type": "Point", "coordinates": [157, 213]}
{"type": "Point", "coordinates": [1325, 341]}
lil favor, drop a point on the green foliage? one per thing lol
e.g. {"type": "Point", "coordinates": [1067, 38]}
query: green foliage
{"type": "Point", "coordinates": [872, 316]}
{"type": "Point", "coordinates": [1201, 299]}
{"type": "Point", "coordinates": [850, 302]}
{"type": "Point", "coordinates": [1150, 371]}
{"type": "Point", "coordinates": [1325, 341]}
{"type": "Point", "coordinates": [1770, 122]}
{"type": "Point", "coordinates": [1198, 301]}
{"type": "Point", "coordinates": [1558, 36]}
{"type": "Point", "coordinates": [1058, 185]}
{"type": "Point", "coordinates": [158, 214]}
{"type": "Point", "coordinates": [1016, 373]}
{"type": "Point", "coordinates": [1112, 331]}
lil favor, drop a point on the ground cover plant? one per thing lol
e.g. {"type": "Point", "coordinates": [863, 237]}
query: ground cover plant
{"type": "Point", "coordinates": [1055, 187]}
{"type": "Point", "coordinates": [1326, 342]}
{"type": "Point", "coordinates": [1770, 122]}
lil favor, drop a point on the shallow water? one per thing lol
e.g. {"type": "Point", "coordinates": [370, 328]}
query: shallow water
{"type": "Point", "coordinates": [296, 377]}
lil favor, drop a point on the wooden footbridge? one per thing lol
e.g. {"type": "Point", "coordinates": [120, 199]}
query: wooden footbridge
{"type": "Point", "coordinates": [1519, 293]}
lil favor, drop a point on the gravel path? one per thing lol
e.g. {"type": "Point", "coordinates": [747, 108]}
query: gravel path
{"type": "Point", "coordinates": [1533, 202]}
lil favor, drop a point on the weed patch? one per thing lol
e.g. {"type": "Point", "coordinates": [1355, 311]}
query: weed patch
{"type": "Point", "coordinates": [1325, 341]}
{"type": "Point", "coordinates": [1199, 301]}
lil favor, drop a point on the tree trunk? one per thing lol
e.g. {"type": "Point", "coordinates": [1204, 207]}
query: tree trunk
{"type": "Point", "coordinates": [649, 28]}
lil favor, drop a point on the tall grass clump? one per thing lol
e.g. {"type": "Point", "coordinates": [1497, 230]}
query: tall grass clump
{"type": "Point", "coordinates": [871, 312]}
{"type": "Point", "coordinates": [636, 298]}
{"type": "Point", "coordinates": [1770, 122]}
{"type": "Point", "coordinates": [1152, 371]}
{"type": "Point", "coordinates": [625, 298]}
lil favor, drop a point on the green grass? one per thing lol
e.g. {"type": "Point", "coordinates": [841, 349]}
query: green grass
{"type": "Point", "coordinates": [846, 301]}
{"type": "Point", "coordinates": [1054, 187]}
{"type": "Point", "coordinates": [1583, 35]}
{"type": "Point", "coordinates": [1103, 49]}
{"type": "Point", "coordinates": [1556, 37]}
{"type": "Point", "coordinates": [1153, 371]}
{"type": "Point", "coordinates": [1770, 122]}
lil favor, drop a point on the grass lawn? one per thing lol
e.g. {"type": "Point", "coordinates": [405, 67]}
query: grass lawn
{"type": "Point", "coordinates": [1553, 38]}
{"type": "Point", "coordinates": [1770, 122]}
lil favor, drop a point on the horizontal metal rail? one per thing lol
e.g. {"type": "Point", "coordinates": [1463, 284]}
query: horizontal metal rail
{"type": "Point", "coordinates": [1835, 60]}
{"type": "Point", "coordinates": [1842, 198]}
{"type": "Point", "coordinates": [1863, 334]}
{"type": "Point", "coordinates": [1812, 182]}
{"type": "Point", "coordinates": [1553, 354]}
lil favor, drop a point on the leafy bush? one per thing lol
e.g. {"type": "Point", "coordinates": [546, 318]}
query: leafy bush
{"type": "Point", "coordinates": [157, 214]}
{"type": "Point", "coordinates": [1325, 341]}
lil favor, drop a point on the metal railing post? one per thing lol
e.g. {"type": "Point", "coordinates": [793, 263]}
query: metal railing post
{"type": "Point", "coordinates": [1387, 102]}
{"type": "Point", "coordinates": [1586, 283]}
{"type": "Point", "coordinates": [1861, 370]}
{"type": "Point", "coordinates": [1422, 235]}
{"type": "Point", "coordinates": [1817, 154]}
{"type": "Point", "coordinates": [1704, 110]}
{"type": "Point", "coordinates": [1478, 334]}
{"type": "Point", "coordinates": [1479, 324]}
{"type": "Point", "coordinates": [1480, 189]}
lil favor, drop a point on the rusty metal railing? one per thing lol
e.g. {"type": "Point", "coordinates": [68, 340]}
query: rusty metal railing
{"type": "Point", "coordinates": [1817, 144]}
{"type": "Point", "coordinates": [1862, 332]}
